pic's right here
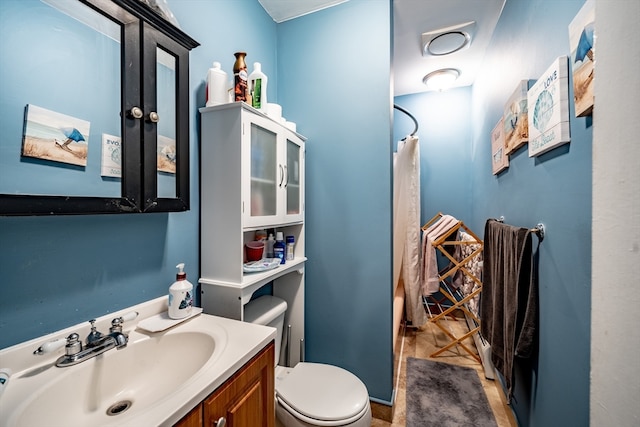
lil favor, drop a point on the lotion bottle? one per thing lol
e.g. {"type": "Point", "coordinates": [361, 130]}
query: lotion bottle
{"type": "Point", "coordinates": [258, 88]}
{"type": "Point", "coordinates": [216, 92]}
{"type": "Point", "coordinates": [180, 295]}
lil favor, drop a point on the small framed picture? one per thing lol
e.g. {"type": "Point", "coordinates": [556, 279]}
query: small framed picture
{"type": "Point", "coordinates": [549, 112]}
{"type": "Point", "coordinates": [516, 128]}
{"type": "Point", "coordinates": [54, 136]}
{"type": "Point", "coordinates": [499, 157]}
{"type": "Point", "coordinates": [581, 39]}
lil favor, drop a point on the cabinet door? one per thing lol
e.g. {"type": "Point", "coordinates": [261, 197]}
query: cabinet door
{"type": "Point", "coordinates": [165, 123]}
{"type": "Point", "coordinates": [263, 173]}
{"type": "Point", "coordinates": [294, 181]}
{"type": "Point", "coordinates": [192, 419]}
{"type": "Point", "coordinates": [247, 399]}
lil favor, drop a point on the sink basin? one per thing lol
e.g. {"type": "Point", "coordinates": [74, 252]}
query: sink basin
{"type": "Point", "coordinates": [110, 384]}
{"type": "Point", "coordinates": [139, 375]}
{"type": "Point", "coordinates": [154, 381]}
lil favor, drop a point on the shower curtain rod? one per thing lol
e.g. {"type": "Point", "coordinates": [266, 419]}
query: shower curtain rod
{"type": "Point", "coordinates": [415, 122]}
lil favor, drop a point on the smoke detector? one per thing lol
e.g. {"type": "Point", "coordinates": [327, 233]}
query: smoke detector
{"type": "Point", "coordinates": [448, 40]}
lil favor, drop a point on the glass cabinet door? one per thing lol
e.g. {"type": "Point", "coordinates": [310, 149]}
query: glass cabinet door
{"type": "Point", "coordinates": [266, 174]}
{"type": "Point", "coordinates": [293, 184]}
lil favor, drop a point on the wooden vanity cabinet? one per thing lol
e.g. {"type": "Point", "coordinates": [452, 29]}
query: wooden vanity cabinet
{"type": "Point", "coordinates": [247, 399]}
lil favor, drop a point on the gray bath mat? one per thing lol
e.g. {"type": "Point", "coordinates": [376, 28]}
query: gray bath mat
{"type": "Point", "coordinates": [444, 395]}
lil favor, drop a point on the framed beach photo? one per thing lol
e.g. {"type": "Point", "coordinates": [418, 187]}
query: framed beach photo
{"type": "Point", "coordinates": [53, 136]}
{"type": "Point", "coordinates": [516, 130]}
{"type": "Point", "coordinates": [581, 40]}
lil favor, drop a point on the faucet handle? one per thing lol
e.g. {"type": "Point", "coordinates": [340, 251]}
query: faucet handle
{"type": "Point", "coordinates": [94, 335]}
{"type": "Point", "coordinates": [116, 324]}
{"type": "Point", "coordinates": [74, 345]}
{"type": "Point", "coordinates": [50, 346]}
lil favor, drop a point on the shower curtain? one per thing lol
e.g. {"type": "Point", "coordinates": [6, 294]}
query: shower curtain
{"type": "Point", "coordinates": [406, 230]}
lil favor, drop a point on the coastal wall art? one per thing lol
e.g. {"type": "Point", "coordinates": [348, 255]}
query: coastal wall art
{"type": "Point", "coordinates": [54, 136]}
{"type": "Point", "coordinates": [499, 158]}
{"type": "Point", "coordinates": [582, 42]}
{"type": "Point", "coordinates": [516, 132]}
{"type": "Point", "coordinates": [111, 156]}
{"type": "Point", "coordinates": [549, 109]}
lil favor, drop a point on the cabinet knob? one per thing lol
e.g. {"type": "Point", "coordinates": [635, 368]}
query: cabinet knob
{"type": "Point", "coordinates": [135, 112]}
{"type": "Point", "coordinates": [222, 422]}
{"type": "Point", "coordinates": [153, 117]}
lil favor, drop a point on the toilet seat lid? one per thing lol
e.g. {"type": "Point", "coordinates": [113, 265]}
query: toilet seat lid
{"type": "Point", "coordinates": [323, 392]}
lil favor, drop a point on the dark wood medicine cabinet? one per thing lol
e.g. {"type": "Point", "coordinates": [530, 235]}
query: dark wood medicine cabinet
{"type": "Point", "coordinates": [150, 96]}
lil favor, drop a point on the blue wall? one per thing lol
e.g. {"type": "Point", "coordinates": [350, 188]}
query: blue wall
{"type": "Point", "coordinates": [444, 120]}
{"type": "Point", "coordinates": [555, 189]}
{"type": "Point", "coordinates": [334, 74]}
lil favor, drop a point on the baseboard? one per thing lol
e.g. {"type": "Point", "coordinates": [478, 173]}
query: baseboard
{"type": "Point", "coordinates": [382, 411]}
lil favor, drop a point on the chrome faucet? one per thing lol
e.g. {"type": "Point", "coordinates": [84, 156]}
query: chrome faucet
{"type": "Point", "coordinates": [96, 343]}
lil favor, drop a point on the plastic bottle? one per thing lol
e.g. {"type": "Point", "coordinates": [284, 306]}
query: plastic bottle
{"type": "Point", "coordinates": [216, 92]}
{"type": "Point", "coordinates": [240, 77]}
{"type": "Point", "coordinates": [291, 241]}
{"type": "Point", "coordinates": [270, 243]}
{"type": "Point", "coordinates": [258, 88]}
{"type": "Point", "coordinates": [278, 248]}
{"type": "Point", "coordinates": [180, 295]}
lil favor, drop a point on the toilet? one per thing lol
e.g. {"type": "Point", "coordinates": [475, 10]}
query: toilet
{"type": "Point", "coordinates": [310, 394]}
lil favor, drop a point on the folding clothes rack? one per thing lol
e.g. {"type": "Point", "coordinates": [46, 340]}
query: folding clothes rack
{"type": "Point", "coordinates": [449, 245]}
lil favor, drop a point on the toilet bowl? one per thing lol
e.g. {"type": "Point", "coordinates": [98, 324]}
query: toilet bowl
{"type": "Point", "coordinates": [310, 394]}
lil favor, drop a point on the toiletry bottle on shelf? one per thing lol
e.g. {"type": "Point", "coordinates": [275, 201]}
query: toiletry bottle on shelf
{"type": "Point", "coordinates": [180, 295]}
{"type": "Point", "coordinates": [278, 248]}
{"type": "Point", "coordinates": [216, 92]}
{"type": "Point", "coordinates": [270, 243]}
{"type": "Point", "coordinates": [258, 88]}
{"type": "Point", "coordinates": [240, 77]}
{"type": "Point", "coordinates": [290, 246]}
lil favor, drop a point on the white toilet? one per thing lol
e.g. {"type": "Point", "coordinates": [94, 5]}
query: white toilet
{"type": "Point", "coordinates": [310, 394]}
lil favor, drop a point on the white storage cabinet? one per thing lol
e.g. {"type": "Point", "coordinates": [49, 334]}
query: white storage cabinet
{"type": "Point", "coordinates": [252, 178]}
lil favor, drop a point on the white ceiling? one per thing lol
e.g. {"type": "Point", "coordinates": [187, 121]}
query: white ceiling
{"type": "Point", "coordinates": [411, 19]}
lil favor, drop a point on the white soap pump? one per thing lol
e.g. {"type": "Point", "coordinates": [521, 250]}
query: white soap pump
{"type": "Point", "coordinates": [180, 295]}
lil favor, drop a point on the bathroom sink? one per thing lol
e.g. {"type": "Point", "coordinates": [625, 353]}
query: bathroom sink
{"type": "Point", "coordinates": [155, 380]}
{"type": "Point", "coordinates": [108, 385]}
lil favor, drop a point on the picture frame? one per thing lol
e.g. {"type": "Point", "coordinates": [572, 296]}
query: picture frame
{"type": "Point", "coordinates": [499, 157]}
{"type": "Point", "coordinates": [549, 113]}
{"type": "Point", "coordinates": [516, 131]}
{"type": "Point", "coordinates": [582, 48]}
{"type": "Point", "coordinates": [52, 136]}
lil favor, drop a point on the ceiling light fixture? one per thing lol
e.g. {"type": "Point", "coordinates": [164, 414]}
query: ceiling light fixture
{"type": "Point", "coordinates": [441, 79]}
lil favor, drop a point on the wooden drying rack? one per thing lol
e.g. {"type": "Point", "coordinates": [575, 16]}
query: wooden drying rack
{"type": "Point", "coordinates": [446, 276]}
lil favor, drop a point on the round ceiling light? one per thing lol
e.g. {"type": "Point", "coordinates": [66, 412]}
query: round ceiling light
{"type": "Point", "coordinates": [447, 43]}
{"type": "Point", "coordinates": [441, 79]}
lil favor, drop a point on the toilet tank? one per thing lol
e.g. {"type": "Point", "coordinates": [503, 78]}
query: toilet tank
{"type": "Point", "coordinates": [269, 311]}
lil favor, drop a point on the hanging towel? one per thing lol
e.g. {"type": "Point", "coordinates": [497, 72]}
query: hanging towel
{"type": "Point", "coordinates": [509, 303]}
{"type": "Point", "coordinates": [429, 271]}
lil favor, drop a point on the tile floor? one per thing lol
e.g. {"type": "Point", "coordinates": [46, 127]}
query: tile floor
{"type": "Point", "coordinates": [422, 342]}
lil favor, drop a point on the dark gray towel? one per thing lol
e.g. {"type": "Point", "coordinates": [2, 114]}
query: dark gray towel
{"type": "Point", "coordinates": [509, 300]}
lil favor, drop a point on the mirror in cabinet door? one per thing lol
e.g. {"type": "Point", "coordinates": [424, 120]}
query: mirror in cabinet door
{"type": "Point", "coordinates": [90, 62]}
{"type": "Point", "coordinates": [273, 190]}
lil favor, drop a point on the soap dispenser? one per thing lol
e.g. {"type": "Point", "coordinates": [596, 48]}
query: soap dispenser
{"type": "Point", "coordinates": [180, 295]}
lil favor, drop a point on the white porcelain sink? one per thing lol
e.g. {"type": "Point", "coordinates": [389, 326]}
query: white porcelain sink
{"type": "Point", "coordinates": [155, 380]}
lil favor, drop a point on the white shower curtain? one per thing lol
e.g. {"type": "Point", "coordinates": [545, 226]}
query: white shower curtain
{"type": "Point", "coordinates": [406, 227]}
